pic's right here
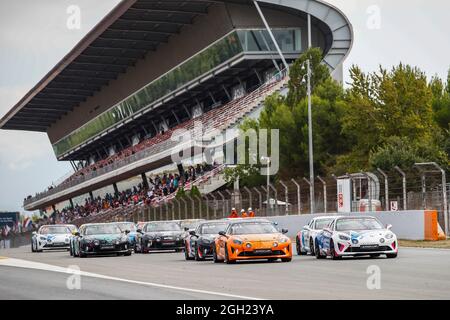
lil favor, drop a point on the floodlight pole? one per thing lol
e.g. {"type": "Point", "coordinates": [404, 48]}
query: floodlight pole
{"type": "Point", "coordinates": [310, 137]}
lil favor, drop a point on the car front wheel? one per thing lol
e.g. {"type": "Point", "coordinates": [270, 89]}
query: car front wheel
{"type": "Point", "coordinates": [227, 258]}
{"type": "Point", "coordinates": [333, 253]}
{"type": "Point", "coordinates": [317, 252]}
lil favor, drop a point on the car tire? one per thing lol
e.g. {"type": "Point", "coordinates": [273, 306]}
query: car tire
{"type": "Point", "coordinates": [227, 258]}
{"type": "Point", "coordinates": [142, 247]}
{"type": "Point", "coordinates": [127, 254]}
{"type": "Point", "coordinates": [32, 247]}
{"type": "Point", "coordinates": [81, 254]}
{"type": "Point", "coordinates": [311, 246]}
{"type": "Point", "coordinates": [333, 253]}
{"type": "Point", "coordinates": [286, 259]}
{"type": "Point", "coordinates": [317, 252]}
{"type": "Point", "coordinates": [186, 254]}
{"type": "Point", "coordinates": [391, 255]}
{"type": "Point", "coordinates": [197, 255]}
{"type": "Point", "coordinates": [215, 257]}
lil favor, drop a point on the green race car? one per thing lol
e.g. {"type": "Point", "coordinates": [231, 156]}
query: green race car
{"type": "Point", "coordinates": [100, 238]}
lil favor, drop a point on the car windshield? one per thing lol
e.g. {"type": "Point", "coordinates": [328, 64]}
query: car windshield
{"type": "Point", "coordinates": [127, 226]}
{"type": "Point", "coordinates": [358, 224]}
{"type": "Point", "coordinates": [253, 228]}
{"type": "Point", "coordinates": [322, 223]}
{"type": "Point", "coordinates": [102, 229]}
{"type": "Point", "coordinates": [190, 224]}
{"type": "Point", "coordinates": [212, 228]}
{"type": "Point", "coordinates": [55, 230]}
{"type": "Point", "coordinates": [162, 226]}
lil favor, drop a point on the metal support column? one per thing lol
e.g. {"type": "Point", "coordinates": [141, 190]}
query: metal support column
{"type": "Point", "coordinates": [386, 189]}
{"type": "Point", "coordinates": [324, 193]}
{"type": "Point", "coordinates": [299, 200]}
{"type": "Point", "coordinates": [255, 2]}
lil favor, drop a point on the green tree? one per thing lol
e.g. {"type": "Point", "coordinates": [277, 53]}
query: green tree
{"type": "Point", "coordinates": [382, 105]}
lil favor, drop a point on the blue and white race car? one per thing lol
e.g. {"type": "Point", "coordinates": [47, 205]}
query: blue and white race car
{"type": "Point", "coordinates": [130, 227]}
{"type": "Point", "coordinates": [304, 239]}
{"type": "Point", "coordinates": [355, 236]}
{"type": "Point", "coordinates": [51, 237]}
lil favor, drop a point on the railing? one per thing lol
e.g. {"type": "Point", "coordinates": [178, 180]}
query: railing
{"type": "Point", "coordinates": [247, 101]}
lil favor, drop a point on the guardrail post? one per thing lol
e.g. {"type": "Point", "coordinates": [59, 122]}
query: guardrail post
{"type": "Point", "coordinates": [260, 199]}
{"type": "Point", "coordinates": [215, 205]}
{"type": "Point", "coordinates": [179, 208]}
{"type": "Point", "coordinates": [311, 204]}
{"type": "Point", "coordinates": [276, 197]}
{"type": "Point", "coordinates": [324, 193]}
{"type": "Point", "coordinates": [185, 208]}
{"type": "Point", "coordinates": [223, 203]}
{"type": "Point", "coordinates": [286, 196]}
{"type": "Point", "coordinates": [335, 180]}
{"type": "Point", "coordinates": [207, 205]}
{"type": "Point", "coordinates": [299, 202]}
{"type": "Point", "coordinates": [386, 188]}
{"type": "Point", "coordinates": [266, 190]}
{"type": "Point", "coordinates": [232, 202]}
{"type": "Point", "coordinates": [250, 196]}
{"type": "Point", "coordinates": [192, 206]}
{"type": "Point", "coordinates": [404, 185]}
{"type": "Point", "coordinates": [200, 207]}
{"type": "Point", "coordinates": [369, 186]}
{"type": "Point", "coordinates": [160, 211]}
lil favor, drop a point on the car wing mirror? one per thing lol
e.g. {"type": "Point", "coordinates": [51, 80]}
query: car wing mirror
{"type": "Point", "coordinates": [127, 231]}
{"type": "Point", "coordinates": [222, 233]}
{"type": "Point", "coordinates": [389, 226]}
{"type": "Point", "coordinates": [186, 229]}
{"type": "Point", "coordinates": [327, 229]}
{"type": "Point", "coordinates": [139, 230]}
{"type": "Point", "coordinates": [307, 228]}
{"type": "Point", "coordinates": [34, 233]}
{"type": "Point", "coordinates": [192, 233]}
{"type": "Point", "coordinates": [284, 231]}
{"type": "Point", "coordinates": [77, 234]}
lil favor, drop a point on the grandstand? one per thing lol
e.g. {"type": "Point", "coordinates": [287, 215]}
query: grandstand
{"type": "Point", "coordinates": [151, 68]}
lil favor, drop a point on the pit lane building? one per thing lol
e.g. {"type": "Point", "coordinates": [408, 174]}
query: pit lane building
{"type": "Point", "coordinates": [150, 67]}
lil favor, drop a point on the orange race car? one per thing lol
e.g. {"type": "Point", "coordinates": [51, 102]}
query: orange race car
{"type": "Point", "coordinates": [252, 239]}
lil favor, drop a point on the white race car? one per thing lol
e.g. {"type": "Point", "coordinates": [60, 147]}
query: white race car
{"type": "Point", "coordinates": [51, 237]}
{"type": "Point", "coordinates": [356, 236]}
{"type": "Point", "coordinates": [304, 239]}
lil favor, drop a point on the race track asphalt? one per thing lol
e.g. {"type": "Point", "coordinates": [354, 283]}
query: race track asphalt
{"type": "Point", "coordinates": [415, 274]}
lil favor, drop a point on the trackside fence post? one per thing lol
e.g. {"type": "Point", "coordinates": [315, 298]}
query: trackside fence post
{"type": "Point", "coordinates": [286, 197]}
{"type": "Point", "coordinates": [299, 202]}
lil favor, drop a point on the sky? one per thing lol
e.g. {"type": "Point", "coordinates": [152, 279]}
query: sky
{"type": "Point", "coordinates": [34, 36]}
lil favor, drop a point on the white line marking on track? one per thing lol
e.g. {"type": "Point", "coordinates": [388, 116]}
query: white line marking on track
{"type": "Point", "coordinates": [19, 263]}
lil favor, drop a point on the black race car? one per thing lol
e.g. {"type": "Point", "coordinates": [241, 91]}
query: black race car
{"type": "Point", "coordinates": [199, 244]}
{"type": "Point", "coordinates": [159, 235]}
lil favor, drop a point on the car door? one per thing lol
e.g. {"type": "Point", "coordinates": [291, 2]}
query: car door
{"type": "Point", "coordinates": [326, 238]}
{"type": "Point", "coordinates": [306, 233]}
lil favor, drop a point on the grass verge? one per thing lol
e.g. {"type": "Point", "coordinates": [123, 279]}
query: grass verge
{"type": "Point", "coordinates": [442, 244]}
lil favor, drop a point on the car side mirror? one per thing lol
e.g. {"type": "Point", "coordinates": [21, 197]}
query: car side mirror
{"type": "Point", "coordinates": [327, 229]}
{"type": "Point", "coordinates": [34, 233]}
{"type": "Point", "coordinates": [186, 229]}
{"type": "Point", "coordinates": [284, 231]}
{"type": "Point", "coordinates": [306, 228]}
{"type": "Point", "coordinates": [77, 234]}
{"type": "Point", "coordinates": [192, 233]}
{"type": "Point", "coordinates": [222, 233]}
{"type": "Point", "coordinates": [139, 230]}
{"type": "Point", "coordinates": [389, 226]}
{"type": "Point", "coordinates": [127, 231]}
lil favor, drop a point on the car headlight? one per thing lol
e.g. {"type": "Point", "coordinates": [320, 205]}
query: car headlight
{"type": "Point", "coordinates": [96, 242]}
{"type": "Point", "coordinates": [355, 241]}
{"type": "Point", "coordinates": [117, 241]}
{"type": "Point", "coordinates": [237, 241]}
{"type": "Point", "coordinates": [389, 236]}
{"type": "Point", "coordinates": [43, 238]}
{"type": "Point", "coordinates": [178, 238]}
{"type": "Point", "coordinates": [382, 240]}
{"type": "Point", "coordinates": [283, 240]}
{"type": "Point", "coordinates": [248, 245]}
{"type": "Point", "coordinates": [344, 237]}
{"type": "Point", "coordinates": [275, 244]}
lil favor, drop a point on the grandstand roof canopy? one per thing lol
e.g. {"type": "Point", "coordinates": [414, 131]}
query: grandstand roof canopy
{"type": "Point", "coordinates": [123, 37]}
